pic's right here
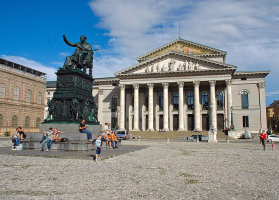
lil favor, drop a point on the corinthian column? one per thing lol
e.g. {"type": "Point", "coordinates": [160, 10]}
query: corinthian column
{"type": "Point", "coordinates": [212, 101]}
{"type": "Point", "coordinates": [229, 91]}
{"type": "Point", "coordinates": [136, 106]}
{"type": "Point", "coordinates": [150, 106]}
{"type": "Point", "coordinates": [197, 115]}
{"type": "Point", "coordinates": [122, 107]}
{"type": "Point", "coordinates": [166, 111]}
{"type": "Point", "coordinates": [181, 106]}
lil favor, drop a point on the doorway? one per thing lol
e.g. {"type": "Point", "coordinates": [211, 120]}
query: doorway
{"type": "Point", "coordinates": [190, 122]}
{"type": "Point", "coordinates": [220, 122]}
{"type": "Point", "coordinates": [175, 122]}
{"type": "Point", "coordinates": [146, 123]}
{"type": "Point", "coordinates": [205, 122]}
{"type": "Point", "coordinates": [161, 125]}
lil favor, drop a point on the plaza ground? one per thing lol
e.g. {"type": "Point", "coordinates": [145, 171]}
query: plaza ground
{"type": "Point", "coordinates": [175, 170]}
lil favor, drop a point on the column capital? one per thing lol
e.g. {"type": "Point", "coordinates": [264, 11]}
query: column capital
{"type": "Point", "coordinates": [165, 85]}
{"type": "Point", "coordinates": [150, 85]}
{"type": "Point", "coordinates": [212, 83]}
{"type": "Point", "coordinates": [196, 83]}
{"type": "Point", "coordinates": [180, 84]}
{"type": "Point", "coordinates": [136, 85]}
{"type": "Point", "coordinates": [101, 92]}
{"type": "Point", "coordinates": [122, 87]}
{"type": "Point", "coordinates": [228, 82]}
{"type": "Point", "coordinates": [261, 85]}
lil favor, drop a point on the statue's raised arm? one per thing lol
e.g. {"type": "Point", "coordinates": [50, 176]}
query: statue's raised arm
{"type": "Point", "coordinates": [68, 42]}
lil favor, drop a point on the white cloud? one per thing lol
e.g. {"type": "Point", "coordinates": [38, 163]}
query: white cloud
{"type": "Point", "coordinates": [50, 71]}
{"type": "Point", "coordinates": [64, 54]}
{"type": "Point", "coordinates": [269, 94]}
{"type": "Point", "coordinates": [246, 30]}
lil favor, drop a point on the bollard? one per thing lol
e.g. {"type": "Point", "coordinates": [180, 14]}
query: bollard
{"type": "Point", "coordinates": [139, 139]}
{"type": "Point", "coordinates": [198, 140]}
{"type": "Point", "coordinates": [168, 140]}
{"type": "Point", "coordinates": [227, 139]}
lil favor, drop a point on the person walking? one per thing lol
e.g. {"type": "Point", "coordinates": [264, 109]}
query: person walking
{"type": "Point", "coordinates": [263, 138]}
{"type": "Point", "coordinates": [98, 144]}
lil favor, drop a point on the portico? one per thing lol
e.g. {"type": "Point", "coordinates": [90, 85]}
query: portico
{"type": "Point", "coordinates": [173, 111]}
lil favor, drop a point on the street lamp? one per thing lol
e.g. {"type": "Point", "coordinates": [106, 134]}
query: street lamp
{"type": "Point", "coordinates": [232, 126]}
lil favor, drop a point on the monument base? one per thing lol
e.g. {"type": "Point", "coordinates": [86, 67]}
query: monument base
{"type": "Point", "coordinates": [72, 129]}
{"type": "Point", "coordinates": [212, 136]}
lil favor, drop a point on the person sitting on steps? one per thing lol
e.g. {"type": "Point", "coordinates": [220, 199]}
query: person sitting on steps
{"type": "Point", "coordinates": [82, 129]}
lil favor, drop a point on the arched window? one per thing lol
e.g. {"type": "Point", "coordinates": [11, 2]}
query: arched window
{"type": "Point", "coordinates": [1, 120]}
{"type": "Point", "coordinates": [244, 100]}
{"type": "Point", "coordinates": [175, 101]}
{"type": "Point", "coordinates": [39, 100]}
{"type": "Point", "coordinates": [190, 101]}
{"type": "Point", "coordinates": [146, 102]}
{"type": "Point", "coordinates": [28, 96]}
{"type": "Point", "coordinates": [27, 122]}
{"type": "Point", "coordinates": [220, 100]}
{"type": "Point", "coordinates": [16, 93]}
{"type": "Point", "coordinates": [2, 90]}
{"type": "Point", "coordinates": [14, 121]}
{"type": "Point", "coordinates": [204, 101]}
{"type": "Point", "coordinates": [114, 103]}
{"type": "Point", "coordinates": [161, 101]}
{"type": "Point", "coordinates": [38, 122]}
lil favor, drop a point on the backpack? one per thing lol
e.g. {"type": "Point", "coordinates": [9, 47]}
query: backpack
{"type": "Point", "coordinates": [64, 140]}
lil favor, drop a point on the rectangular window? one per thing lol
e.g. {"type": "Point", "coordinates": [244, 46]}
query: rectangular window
{"type": "Point", "coordinates": [245, 120]}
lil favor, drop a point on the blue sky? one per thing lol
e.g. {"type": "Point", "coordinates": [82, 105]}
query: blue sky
{"type": "Point", "coordinates": [31, 32]}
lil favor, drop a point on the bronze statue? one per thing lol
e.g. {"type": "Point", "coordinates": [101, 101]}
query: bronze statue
{"type": "Point", "coordinates": [82, 57]}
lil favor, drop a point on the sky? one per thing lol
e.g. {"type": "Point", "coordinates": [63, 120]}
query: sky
{"type": "Point", "coordinates": [31, 32]}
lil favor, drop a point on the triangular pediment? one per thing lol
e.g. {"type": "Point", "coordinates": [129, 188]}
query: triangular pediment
{"type": "Point", "coordinates": [182, 46]}
{"type": "Point", "coordinates": [174, 62]}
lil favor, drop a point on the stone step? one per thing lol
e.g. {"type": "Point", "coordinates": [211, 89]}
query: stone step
{"type": "Point", "coordinates": [65, 146]}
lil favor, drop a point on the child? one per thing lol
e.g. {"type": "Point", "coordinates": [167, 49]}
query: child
{"type": "Point", "coordinates": [273, 145]}
{"type": "Point", "coordinates": [98, 144]}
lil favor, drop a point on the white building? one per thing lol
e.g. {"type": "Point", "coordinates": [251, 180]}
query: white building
{"type": "Point", "coordinates": [175, 86]}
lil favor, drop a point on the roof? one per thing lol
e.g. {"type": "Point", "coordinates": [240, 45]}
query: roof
{"type": "Point", "coordinates": [273, 104]}
{"type": "Point", "coordinates": [172, 53]}
{"type": "Point", "coordinates": [52, 84]}
{"type": "Point", "coordinates": [186, 42]}
{"type": "Point", "coordinates": [21, 68]}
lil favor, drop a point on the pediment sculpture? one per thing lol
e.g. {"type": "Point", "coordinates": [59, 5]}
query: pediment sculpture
{"type": "Point", "coordinates": [172, 66]}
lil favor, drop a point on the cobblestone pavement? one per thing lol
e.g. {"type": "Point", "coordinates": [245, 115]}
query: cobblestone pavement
{"type": "Point", "coordinates": [175, 170]}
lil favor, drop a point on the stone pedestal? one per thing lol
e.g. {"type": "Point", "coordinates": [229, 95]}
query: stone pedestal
{"type": "Point", "coordinates": [72, 99]}
{"type": "Point", "coordinates": [212, 135]}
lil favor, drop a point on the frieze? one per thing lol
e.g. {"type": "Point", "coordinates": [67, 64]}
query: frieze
{"type": "Point", "coordinates": [172, 66]}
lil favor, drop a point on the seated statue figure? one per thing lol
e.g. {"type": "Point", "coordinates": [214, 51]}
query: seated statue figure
{"type": "Point", "coordinates": [82, 57]}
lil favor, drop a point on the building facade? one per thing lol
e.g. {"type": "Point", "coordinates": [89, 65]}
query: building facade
{"type": "Point", "coordinates": [273, 116]}
{"type": "Point", "coordinates": [22, 94]}
{"type": "Point", "coordinates": [182, 86]}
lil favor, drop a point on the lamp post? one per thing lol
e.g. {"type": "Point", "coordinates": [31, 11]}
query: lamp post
{"type": "Point", "coordinates": [232, 126]}
{"type": "Point", "coordinates": [275, 128]}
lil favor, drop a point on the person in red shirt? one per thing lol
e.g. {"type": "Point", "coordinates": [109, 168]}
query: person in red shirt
{"type": "Point", "coordinates": [263, 138]}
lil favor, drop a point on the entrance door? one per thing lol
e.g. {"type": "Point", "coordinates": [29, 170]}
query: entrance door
{"type": "Point", "coordinates": [220, 122]}
{"type": "Point", "coordinates": [175, 122]}
{"type": "Point", "coordinates": [132, 122]}
{"type": "Point", "coordinates": [146, 122]}
{"type": "Point", "coordinates": [205, 122]}
{"type": "Point", "coordinates": [161, 125]}
{"type": "Point", "coordinates": [190, 122]}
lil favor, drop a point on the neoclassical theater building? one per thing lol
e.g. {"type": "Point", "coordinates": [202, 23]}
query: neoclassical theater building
{"type": "Point", "coordinates": [182, 86]}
